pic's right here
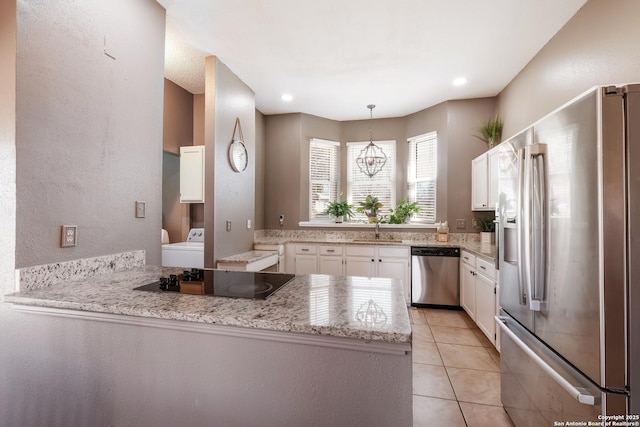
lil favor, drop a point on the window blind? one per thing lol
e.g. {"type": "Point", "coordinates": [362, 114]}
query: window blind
{"type": "Point", "coordinates": [324, 176]}
{"type": "Point", "coordinates": [422, 175]}
{"type": "Point", "coordinates": [382, 185]}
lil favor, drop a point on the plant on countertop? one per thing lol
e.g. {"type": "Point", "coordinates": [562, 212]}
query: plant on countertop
{"type": "Point", "coordinates": [370, 207]}
{"type": "Point", "coordinates": [491, 131]}
{"type": "Point", "coordinates": [486, 225]}
{"type": "Point", "coordinates": [339, 209]}
{"type": "Point", "coordinates": [403, 211]}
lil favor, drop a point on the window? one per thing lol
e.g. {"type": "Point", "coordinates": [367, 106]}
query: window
{"type": "Point", "coordinates": [421, 175]}
{"type": "Point", "coordinates": [324, 176]}
{"type": "Point", "coordinates": [382, 185]}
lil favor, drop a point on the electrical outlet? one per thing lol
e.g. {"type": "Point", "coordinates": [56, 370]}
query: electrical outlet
{"type": "Point", "coordinates": [248, 224]}
{"type": "Point", "coordinates": [228, 225]}
{"type": "Point", "coordinates": [474, 223]}
{"type": "Point", "coordinates": [461, 223]}
{"type": "Point", "coordinates": [69, 235]}
{"type": "Point", "coordinates": [281, 219]}
{"type": "Point", "coordinates": [141, 209]}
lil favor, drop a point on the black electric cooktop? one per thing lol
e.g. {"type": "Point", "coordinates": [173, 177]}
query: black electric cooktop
{"type": "Point", "coordinates": [221, 283]}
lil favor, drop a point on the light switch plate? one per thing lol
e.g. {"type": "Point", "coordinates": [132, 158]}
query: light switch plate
{"type": "Point", "coordinates": [69, 236]}
{"type": "Point", "coordinates": [141, 209]}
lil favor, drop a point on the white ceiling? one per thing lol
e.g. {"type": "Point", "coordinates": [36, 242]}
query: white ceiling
{"type": "Point", "coordinates": [337, 56]}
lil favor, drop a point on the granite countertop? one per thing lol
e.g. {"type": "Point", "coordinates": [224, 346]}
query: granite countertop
{"type": "Point", "coordinates": [248, 257]}
{"type": "Point", "coordinates": [351, 307]}
{"type": "Point", "coordinates": [484, 250]}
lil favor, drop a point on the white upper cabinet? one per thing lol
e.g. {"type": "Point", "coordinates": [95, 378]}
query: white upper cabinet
{"type": "Point", "coordinates": [192, 174]}
{"type": "Point", "coordinates": [484, 181]}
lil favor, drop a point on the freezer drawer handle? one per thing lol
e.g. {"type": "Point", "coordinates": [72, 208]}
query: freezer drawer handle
{"type": "Point", "coordinates": [580, 394]}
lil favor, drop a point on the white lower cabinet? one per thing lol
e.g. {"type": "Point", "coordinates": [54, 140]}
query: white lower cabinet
{"type": "Point", "coordinates": [305, 259]}
{"type": "Point", "coordinates": [468, 289]}
{"type": "Point", "coordinates": [478, 293]}
{"type": "Point", "coordinates": [330, 260]}
{"type": "Point", "coordinates": [380, 261]}
{"type": "Point", "coordinates": [352, 260]}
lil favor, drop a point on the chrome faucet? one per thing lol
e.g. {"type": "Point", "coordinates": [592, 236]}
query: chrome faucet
{"type": "Point", "coordinates": [377, 230]}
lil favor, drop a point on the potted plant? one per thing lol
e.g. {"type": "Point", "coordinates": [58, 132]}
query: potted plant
{"type": "Point", "coordinates": [487, 229]}
{"type": "Point", "coordinates": [402, 212]}
{"type": "Point", "coordinates": [491, 131]}
{"type": "Point", "coordinates": [370, 207]}
{"type": "Point", "coordinates": [339, 209]}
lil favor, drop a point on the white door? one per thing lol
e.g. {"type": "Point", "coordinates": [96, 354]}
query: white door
{"type": "Point", "coordinates": [468, 289]}
{"type": "Point", "coordinates": [330, 265]}
{"type": "Point", "coordinates": [192, 174]}
{"type": "Point", "coordinates": [479, 183]}
{"type": "Point", "coordinates": [360, 266]}
{"type": "Point", "coordinates": [396, 268]}
{"type": "Point", "coordinates": [306, 264]}
{"type": "Point", "coordinates": [486, 306]}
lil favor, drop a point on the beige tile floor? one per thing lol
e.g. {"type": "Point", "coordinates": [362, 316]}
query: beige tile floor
{"type": "Point", "coordinates": [456, 372]}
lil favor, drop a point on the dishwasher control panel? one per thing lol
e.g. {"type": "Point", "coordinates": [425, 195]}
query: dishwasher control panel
{"type": "Point", "coordinates": [435, 251]}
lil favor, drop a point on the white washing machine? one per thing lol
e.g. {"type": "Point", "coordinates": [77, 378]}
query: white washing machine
{"type": "Point", "coordinates": [189, 254]}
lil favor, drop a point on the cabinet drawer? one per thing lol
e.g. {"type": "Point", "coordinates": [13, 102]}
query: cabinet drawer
{"type": "Point", "coordinates": [361, 250]}
{"type": "Point", "coordinates": [306, 249]}
{"type": "Point", "coordinates": [388, 251]}
{"type": "Point", "coordinates": [467, 258]}
{"type": "Point", "coordinates": [485, 268]}
{"type": "Point", "coordinates": [330, 250]}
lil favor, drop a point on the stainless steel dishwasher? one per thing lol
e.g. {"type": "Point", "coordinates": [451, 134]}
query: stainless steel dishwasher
{"type": "Point", "coordinates": [435, 277]}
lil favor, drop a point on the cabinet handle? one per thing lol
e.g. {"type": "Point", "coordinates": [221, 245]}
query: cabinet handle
{"type": "Point", "coordinates": [304, 250]}
{"type": "Point", "coordinates": [466, 258]}
{"type": "Point", "coordinates": [331, 250]}
{"type": "Point", "coordinates": [373, 260]}
{"type": "Point", "coordinates": [483, 267]}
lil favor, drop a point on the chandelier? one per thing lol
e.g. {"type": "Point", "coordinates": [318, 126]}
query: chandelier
{"type": "Point", "coordinates": [371, 159]}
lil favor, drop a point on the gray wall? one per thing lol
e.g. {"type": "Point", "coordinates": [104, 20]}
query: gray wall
{"type": "Point", "coordinates": [287, 151]}
{"type": "Point", "coordinates": [82, 373]}
{"type": "Point", "coordinates": [172, 209]}
{"type": "Point", "coordinates": [597, 46]}
{"type": "Point", "coordinates": [178, 118]}
{"type": "Point", "coordinates": [260, 168]}
{"type": "Point", "coordinates": [88, 127]}
{"type": "Point", "coordinates": [282, 170]}
{"type": "Point", "coordinates": [232, 195]}
{"type": "Point", "coordinates": [463, 118]}
{"type": "Point", "coordinates": [7, 150]}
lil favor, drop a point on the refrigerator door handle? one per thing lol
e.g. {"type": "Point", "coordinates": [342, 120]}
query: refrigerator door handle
{"type": "Point", "coordinates": [536, 219]}
{"type": "Point", "coordinates": [580, 394]}
{"type": "Point", "coordinates": [520, 221]}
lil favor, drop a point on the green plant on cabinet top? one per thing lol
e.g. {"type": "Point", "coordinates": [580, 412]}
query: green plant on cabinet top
{"type": "Point", "coordinates": [491, 131]}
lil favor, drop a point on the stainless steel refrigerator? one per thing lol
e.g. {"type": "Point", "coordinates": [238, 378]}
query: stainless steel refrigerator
{"type": "Point", "coordinates": [569, 262]}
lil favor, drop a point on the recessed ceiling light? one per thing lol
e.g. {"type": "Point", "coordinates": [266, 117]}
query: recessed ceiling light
{"type": "Point", "coordinates": [460, 81]}
{"type": "Point", "coordinates": [287, 97]}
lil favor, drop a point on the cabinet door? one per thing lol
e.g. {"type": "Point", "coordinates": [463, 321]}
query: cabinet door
{"type": "Point", "coordinates": [306, 264]}
{"type": "Point", "coordinates": [330, 264]}
{"type": "Point", "coordinates": [486, 306]}
{"type": "Point", "coordinates": [396, 268]}
{"type": "Point", "coordinates": [493, 163]}
{"type": "Point", "coordinates": [468, 289]}
{"type": "Point", "coordinates": [479, 182]}
{"type": "Point", "coordinates": [360, 266]}
{"type": "Point", "coordinates": [192, 174]}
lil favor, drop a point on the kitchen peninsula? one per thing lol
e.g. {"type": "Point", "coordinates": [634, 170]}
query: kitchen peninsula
{"type": "Point", "coordinates": [322, 350]}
